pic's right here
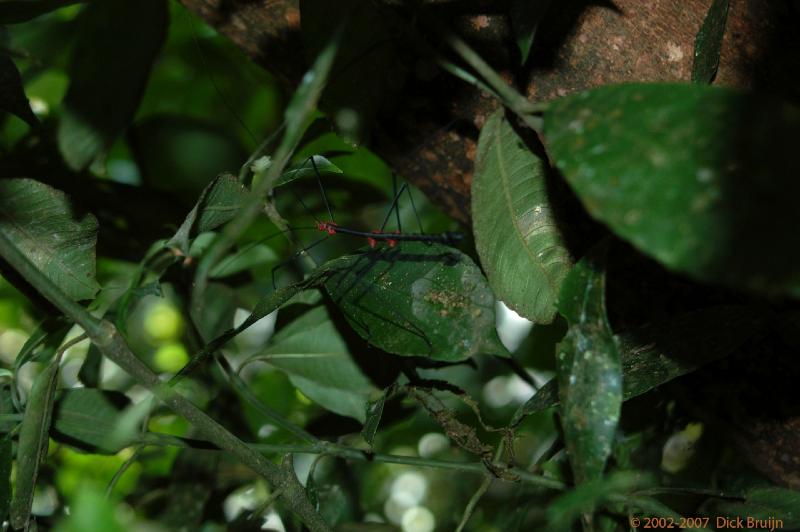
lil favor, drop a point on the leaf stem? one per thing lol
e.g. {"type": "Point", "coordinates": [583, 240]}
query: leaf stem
{"type": "Point", "coordinates": [111, 343]}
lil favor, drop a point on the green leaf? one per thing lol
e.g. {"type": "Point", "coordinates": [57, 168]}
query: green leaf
{"type": "Point", "coordinates": [88, 418]}
{"type": "Point", "coordinates": [762, 504]}
{"type": "Point", "coordinates": [588, 369]}
{"type": "Point", "coordinates": [698, 177]}
{"type": "Point", "coordinates": [118, 42]}
{"type": "Point", "coordinates": [416, 300]}
{"type": "Point", "coordinates": [16, 11]}
{"type": "Point", "coordinates": [308, 169]}
{"type": "Point", "coordinates": [315, 357]}
{"type": "Point", "coordinates": [218, 204]}
{"type": "Point", "coordinates": [525, 18]}
{"type": "Point", "coordinates": [708, 42]}
{"type": "Point", "coordinates": [519, 244]}
{"type": "Point", "coordinates": [659, 352]}
{"type": "Point", "coordinates": [60, 242]}
{"type": "Point", "coordinates": [32, 446]}
{"type": "Point", "coordinates": [373, 414]}
{"type": "Point", "coordinates": [12, 95]}
{"type": "Point", "coordinates": [89, 374]}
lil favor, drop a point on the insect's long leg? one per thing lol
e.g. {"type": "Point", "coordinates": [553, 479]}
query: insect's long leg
{"type": "Point", "coordinates": [396, 211]}
{"type": "Point", "coordinates": [414, 208]}
{"type": "Point", "coordinates": [322, 189]}
{"type": "Point", "coordinates": [393, 206]}
{"type": "Point", "coordinates": [283, 263]}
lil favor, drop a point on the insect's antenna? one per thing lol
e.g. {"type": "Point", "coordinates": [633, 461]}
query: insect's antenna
{"type": "Point", "coordinates": [217, 90]}
{"type": "Point", "coordinates": [322, 189]}
{"type": "Point", "coordinates": [288, 261]}
{"type": "Point", "coordinates": [414, 208]}
{"type": "Point", "coordinates": [396, 211]}
{"type": "Point", "coordinates": [303, 203]}
{"type": "Point", "coordinates": [393, 206]}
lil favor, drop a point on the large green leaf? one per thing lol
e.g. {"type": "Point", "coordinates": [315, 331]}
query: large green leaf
{"type": "Point", "coordinates": [762, 504]}
{"type": "Point", "coordinates": [659, 352]}
{"type": "Point", "coordinates": [708, 42]}
{"type": "Point", "coordinates": [12, 95]}
{"type": "Point", "coordinates": [32, 446]}
{"type": "Point", "coordinates": [88, 418]}
{"type": "Point", "coordinates": [701, 178]}
{"type": "Point", "coordinates": [315, 357]}
{"type": "Point", "coordinates": [218, 204]}
{"type": "Point", "coordinates": [518, 241]}
{"type": "Point", "coordinates": [15, 11]}
{"type": "Point", "coordinates": [43, 225]}
{"type": "Point", "coordinates": [416, 299]}
{"type": "Point", "coordinates": [588, 369]}
{"type": "Point", "coordinates": [118, 42]}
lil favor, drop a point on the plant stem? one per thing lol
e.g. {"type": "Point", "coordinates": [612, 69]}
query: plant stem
{"type": "Point", "coordinates": [111, 343]}
{"type": "Point", "coordinates": [512, 99]}
{"type": "Point", "coordinates": [364, 456]}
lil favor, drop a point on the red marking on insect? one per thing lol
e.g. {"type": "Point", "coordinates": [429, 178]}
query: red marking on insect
{"type": "Point", "coordinates": [374, 241]}
{"type": "Point", "coordinates": [328, 227]}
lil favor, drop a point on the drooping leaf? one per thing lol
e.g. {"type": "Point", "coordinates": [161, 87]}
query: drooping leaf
{"type": "Point", "coordinates": [368, 74]}
{"type": "Point", "coordinates": [659, 352]}
{"type": "Point", "coordinates": [33, 440]}
{"type": "Point", "coordinates": [89, 374]}
{"type": "Point", "coordinates": [16, 11]}
{"type": "Point", "coordinates": [308, 168]}
{"type": "Point", "coordinates": [218, 204]}
{"type": "Point", "coordinates": [12, 95]}
{"type": "Point", "coordinates": [416, 299]}
{"type": "Point", "coordinates": [60, 242]}
{"type": "Point", "coordinates": [762, 504]}
{"type": "Point", "coordinates": [315, 357]}
{"type": "Point", "coordinates": [698, 177]}
{"type": "Point", "coordinates": [588, 369]}
{"type": "Point", "coordinates": [518, 241]}
{"type": "Point", "coordinates": [708, 42]}
{"type": "Point", "coordinates": [525, 18]}
{"type": "Point", "coordinates": [373, 414]}
{"type": "Point", "coordinates": [88, 418]}
{"type": "Point", "coordinates": [118, 42]}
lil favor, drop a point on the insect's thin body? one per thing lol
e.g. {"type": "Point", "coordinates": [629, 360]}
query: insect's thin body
{"type": "Point", "coordinates": [447, 238]}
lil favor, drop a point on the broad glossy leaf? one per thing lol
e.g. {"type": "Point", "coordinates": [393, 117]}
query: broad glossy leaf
{"type": "Point", "coordinates": [708, 42]}
{"type": "Point", "coordinates": [118, 42]}
{"type": "Point", "coordinates": [33, 441]}
{"type": "Point", "coordinates": [525, 18]}
{"type": "Point", "coordinates": [762, 504]}
{"type": "Point", "coordinates": [588, 369]}
{"type": "Point", "coordinates": [416, 299]}
{"type": "Point", "coordinates": [218, 204]}
{"type": "Point", "coordinates": [88, 418]}
{"type": "Point", "coordinates": [59, 241]}
{"type": "Point", "coordinates": [315, 357]}
{"type": "Point", "coordinates": [700, 178]}
{"type": "Point", "coordinates": [12, 95]}
{"type": "Point", "coordinates": [659, 352]}
{"type": "Point", "coordinates": [518, 241]}
{"type": "Point", "coordinates": [15, 11]}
